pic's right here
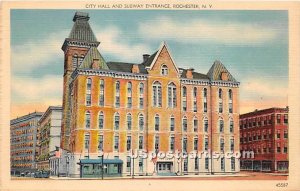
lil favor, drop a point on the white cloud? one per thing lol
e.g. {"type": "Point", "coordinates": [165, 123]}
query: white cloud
{"type": "Point", "coordinates": [34, 54]}
{"type": "Point", "coordinates": [196, 30]}
{"type": "Point", "coordinates": [113, 43]}
{"type": "Point", "coordinates": [47, 89]}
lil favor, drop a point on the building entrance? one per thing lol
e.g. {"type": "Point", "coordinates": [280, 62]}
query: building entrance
{"type": "Point", "coordinates": [164, 167]}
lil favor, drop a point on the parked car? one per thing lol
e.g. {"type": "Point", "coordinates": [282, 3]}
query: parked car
{"type": "Point", "coordinates": [42, 174]}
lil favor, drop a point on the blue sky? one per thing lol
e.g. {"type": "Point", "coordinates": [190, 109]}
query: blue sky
{"type": "Point", "coordinates": [253, 45]}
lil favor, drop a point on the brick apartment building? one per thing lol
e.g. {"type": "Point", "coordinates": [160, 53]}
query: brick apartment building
{"type": "Point", "coordinates": [23, 139]}
{"type": "Point", "coordinates": [265, 132]}
{"type": "Point", "coordinates": [112, 107]}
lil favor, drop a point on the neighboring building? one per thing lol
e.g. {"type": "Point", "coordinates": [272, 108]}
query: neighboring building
{"type": "Point", "coordinates": [23, 133]}
{"type": "Point", "coordinates": [265, 132]}
{"type": "Point", "coordinates": [49, 138]}
{"type": "Point", "coordinates": [114, 107]}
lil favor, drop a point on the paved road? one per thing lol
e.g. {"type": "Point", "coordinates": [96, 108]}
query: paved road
{"type": "Point", "coordinates": [242, 176]}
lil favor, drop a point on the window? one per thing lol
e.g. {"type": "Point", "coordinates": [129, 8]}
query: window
{"type": "Point", "coordinates": [230, 101]}
{"type": "Point", "coordinates": [206, 163]}
{"type": "Point", "coordinates": [222, 163]}
{"type": "Point", "coordinates": [156, 143]}
{"type": "Point", "coordinates": [80, 60]}
{"type": "Point", "coordinates": [195, 144]}
{"type": "Point", "coordinates": [285, 150]}
{"type": "Point", "coordinates": [172, 95]}
{"type": "Point", "coordinates": [129, 121]}
{"type": "Point", "coordinates": [128, 163]}
{"type": "Point", "coordinates": [75, 61]}
{"type": "Point", "coordinates": [141, 164]}
{"type": "Point", "coordinates": [101, 120]}
{"type": "Point", "coordinates": [184, 124]}
{"type": "Point", "coordinates": [205, 100]}
{"type": "Point", "coordinates": [278, 118]}
{"type": "Point", "coordinates": [184, 94]}
{"type": "Point", "coordinates": [221, 125]}
{"type": "Point", "coordinates": [141, 142]}
{"type": "Point", "coordinates": [232, 145]}
{"type": "Point", "coordinates": [286, 120]}
{"type": "Point", "coordinates": [172, 123]}
{"type": "Point", "coordinates": [278, 149]}
{"type": "Point", "coordinates": [87, 141]}
{"type": "Point", "coordinates": [116, 143]}
{"type": "Point", "coordinates": [88, 92]}
{"type": "Point", "coordinates": [172, 143]}
{"type": "Point", "coordinates": [231, 126]}
{"type": "Point", "coordinates": [206, 144]}
{"type": "Point", "coordinates": [195, 99]}
{"type": "Point", "coordinates": [220, 101]}
{"type": "Point", "coordinates": [195, 125]}
{"type": "Point", "coordinates": [101, 95]}
{"type": "Point", "coordinates": [185, 165]}
{"type": "Point", "coordinates": [87, 120]}
{"type": "Point", "coordinates": [196, 163]}
{"type": "Point", "coordinates": [141, 122]}
{"type": "Point", "coordinates": [117, 98]}
{"type": "Point", "coordinates": [156, 122]}
{"type": "Point", "coordinates": [184, 144]}
{"type": "Point", "coordinates": [117, 121]}
{"type": "Point", "coordinates": [232, 163]}
{"type": "Point", "coordinates": [285, 134]}
{"type": "Point", "coordinates": [128, 143]}
{"type": "Point", "coordinates": [278, 134]}
{"type": "Point", "coordinates": [157, 102]}
{"type": "Point", "coordinates": [222, 145]}
{"type": "Point", "coordinates": [205, 125]}
{"type": "Point", "coordinates": [141, 97]}
{"type": "Point", "coordinates": [164, 70]}
{"type": "Point", "coordinates": [220, 93]}
{"type": "Point", "coordinates": [100, 142]}
{"type": "Point", "coordinates": [129, 95]}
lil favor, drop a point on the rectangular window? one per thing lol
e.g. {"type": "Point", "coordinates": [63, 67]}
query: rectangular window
{"type": "Point", "coordinates": [100, 142]}
{"type": "Point", "coordinates": [156, 143]}
{"type": "Point", "coordinates": [232, 145]}
{"type": "Point", "coordinates": [205, 125]}
{"type": "Point", "coordinates": [222, 145]}
{"type": "Point", "coordinates": [129, 102]}
{"type": "Point", "coordinates": [196, 163]}
{"type": "Point", "coordinates": [141, 142]}
{"type": "Point", "coordinates": [206, 163]}
{"type": "Point", "coordinates": [221, 123]}
{"type": "Point", "coordinates": [116, 143]}
{"type": "Point", "coordinates": [222, 163]}
{"type": "Point", "coordinates": [185, 165]}
{"type": "Point", "coordinates": [232, 163]}
{"type": "Point", "coordinates": [220, 107]}
{"type": "Point", "coordinates": [205, 106]}
{"type": "Point", "coordinates": [87, 141]}
{"type": "Point", "coordinates": [206, 144]}
{"type": "Point", "coordinates": [101, 96]}
{"type": "Point", "coordinates": [88, 99]}
{"type": "Point", "coordinates": [184, 125]}
{"type": "Point", "coordinates": [278, 149]}
{"type": "Point", "coordinates": [278, 118]}
{"type": "Point", "coordinates": [141, 164]}
{"type": "Point", "coordinates": [101, 121]}
{"type": "Point", "coordinates": [195, 125]}
{"type": "Point", "coordinates": [285, 149]}
{"type": "Point", "coordinates": [117, 101]}
{"type": "Point", "coordinates": [286, 120]}
{"type": "Point", "coordinates": [141, 104]}
{"type": "Point", "coordinates": [184, 144]}
{"type": "Point", "coordinates": [128, 143]}
{"type": "Point", "coordinates": [285, 134]}
{"type": "Point", "coordinates": [231, 127]}
{"type": "Point", "coordinates": [172, 124]}
{"type": "Point", "coordinates": [184, 105]}
{"type": "Point", "coordinates": [195, 106]}
{"type": "Point", "coordinates": [156, 123]}
{"type": "Point", "coordinates": [278, 134]}
{"type": "Point", "coordinates": [128, 164]}
{"type": "Point", "coordinates": [117, 122]}
{"type": "Point", "coordinates": [195, 144]}
{"type": "Point", "coordinates": [172, 143]}
{"type": "Point", "coordinates": [159, 96]}
{"type": "Point", "coordinates": [230, 107]}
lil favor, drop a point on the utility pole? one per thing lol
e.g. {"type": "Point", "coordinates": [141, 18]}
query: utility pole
{"type": "Point", "coordinates": [102, 173]}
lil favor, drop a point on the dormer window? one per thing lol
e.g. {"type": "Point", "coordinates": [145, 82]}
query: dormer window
{"type": "Point", "coordinates": [164, 70]}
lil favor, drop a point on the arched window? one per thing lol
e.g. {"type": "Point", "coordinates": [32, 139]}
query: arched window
{"type": "Point", "coordinates": [156, 93]}
{"type": "Point", "coordinates": [117, 121]}
{"type": "Point", "coordinates": [87, 120]}
{"type": "Point", "coordinates": [141, 96]}
{"type": "Point", "coordinates": [205, 125]}
{"type": "Point", "coordinates": [205, 100]}
{"type": "Point", "coordinates": [141, 122]}
{"type": "Point", "coordinates": [101, 95]}
{"type": "Point", "coordinates": [129, 95]}
{"type": "Point", "coordinates": [74, 61]}
{"type": "Point", "coordinates": [80, 60]}
{"type": "Point", "coordinates": [172, 123]}
{"type": "Point", "coordinates": [184, 106]}
{"type": "Point", "coordinates": [101, 120]}
{"type": "Point", "coordinates": [231, 127]}
{"type": "Point", "coordinates": [221, 125]}
{"type": "Point", "coordinates": [230, 101]}
{"type": "Point", "coordinates": [117, 94]}
{"type": "Point", "coordinates": [88, 92]}
{"type": "Point", "coordinates": [195, 99]}
{"type": "Point", "coordinates": [222, 144]}
{"type": "Point", "coordinates": [129, 121]}
{"type": "Point", "coordinates": [164, 70]}
{"type": "Point", "coordinates": [220, 101]}
{"type": "Point", "coordinates": [157, 122]}
{"type": "Point", "coordinates": [184, 124]}
{"type": "Point", "coordinates": [172, 95]}
{"type": "Point", "coordinates": [195, 124]}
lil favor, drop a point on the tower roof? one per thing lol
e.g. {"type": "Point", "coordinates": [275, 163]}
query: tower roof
{"type": "Point", "coordinates": [81, 29]}
{"type": "Point", "coordinates": [216, 71]}
{"type": "Point", "coordinates": [93, 54]}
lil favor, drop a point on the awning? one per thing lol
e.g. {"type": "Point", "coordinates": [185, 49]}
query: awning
{"type": "Point", "coordinates": [99, 161]}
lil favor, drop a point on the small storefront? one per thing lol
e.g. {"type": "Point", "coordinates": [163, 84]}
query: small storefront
{"type": "Point", "coordinates": [92, 168]}
{"type": "Point", "coordinates": [283, 166]}
{"type": "Point", "coordinates": [164, 168]}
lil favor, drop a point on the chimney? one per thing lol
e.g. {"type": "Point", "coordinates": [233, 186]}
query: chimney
{"type": "Point", "coordinates": [145, 57]}
{"type": "Point", "coordinates": [135, 69]}
{"type": "Point", "coordinates": [189, 73]}
{"type": "Point", "coordinates": [95, 64]}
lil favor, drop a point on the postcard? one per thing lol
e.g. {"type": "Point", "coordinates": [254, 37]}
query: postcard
{"type": "Point", "coordinates": [198, 95]}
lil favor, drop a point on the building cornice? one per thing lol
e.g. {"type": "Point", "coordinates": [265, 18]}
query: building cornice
{"type": "Point", "coordinates": [225, 83]}
{"type": "Point", "coordinates": [78, 43]}
{"type": "Point", "coordinates": [194, 81]}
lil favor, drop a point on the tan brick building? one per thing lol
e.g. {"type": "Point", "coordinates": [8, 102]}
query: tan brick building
{"type": "Point", "coordinates": [113, 107]}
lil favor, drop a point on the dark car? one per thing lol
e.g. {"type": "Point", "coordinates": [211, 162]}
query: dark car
{"type": "Point", "coordinates": [42, 174]}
